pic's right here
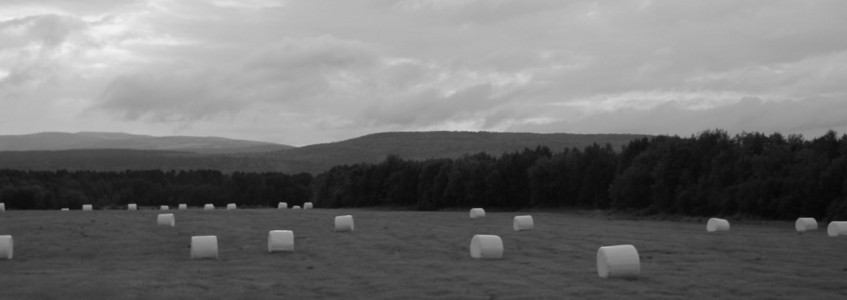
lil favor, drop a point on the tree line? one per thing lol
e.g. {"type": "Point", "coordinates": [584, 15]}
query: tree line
{"type": "Point", "coordinates": [747, 175]}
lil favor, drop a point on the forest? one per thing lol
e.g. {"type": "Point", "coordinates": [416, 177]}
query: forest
{"type": "Point", "coordinates": [749, 175]}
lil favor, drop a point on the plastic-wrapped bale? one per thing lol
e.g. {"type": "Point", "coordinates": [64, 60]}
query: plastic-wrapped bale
{"type": "Point", "coordinates": [806, 224]}
{"type": "Point", "coordinates": [522, 223]}
{"type": "Point", "coordinates": [618, 261]}
{"type": "Point", "coordinates": [307, 205]}
{"type": "Point", "coordinates": [182, 206]}
{"type": "Point", "coordinates": [166, 220]}
{"type": "Point", "coordinates": [296, 207]}
{"type": "Point", "coordinates": [716, 224]}
{"type": "Point", "coordinates": [2, 206]}
{"type": "Point", "coordinates": [344, 223]}
{"type": "Point", "coordinates": [209, 206]}
{"type": "Point", "coordinates": [65, 209]}
{"type": "Point", "coordinates": [836, 228]}
{"type": "Point", "coordinates": [204, 246]}
{"type": "Point", "coordinates": [6, 246]}
{"type": "Point", "coordinates": [132, 206]}
{"type": "Point", "coordinates": [230, 206]}
{"type": "Point", "coordinates": [477, 213]}
{"type": "Point", "coordinates": [87, 207]}
{"type": "Point", "coordinates": [164, 207]}
{"type": "Point", "coordinates": [486, 246]}
{"type": "Point", "coordinates": [280, 240]}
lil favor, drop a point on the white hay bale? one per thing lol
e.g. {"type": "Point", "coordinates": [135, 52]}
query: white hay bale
{"type": "Point", "coordinates": [166, 220]}
{"type": "Point", "coordinates": [164, 207]}
{"type": "Point", "coordinates": [282, 205]}
{"type": "Point", "coordinates": [836, 228]}
{"type": "Point", "coordinates": [6, 246]}
{"type": "Point", "coordinates": [806, 224]}
{"type": "Point", "coordinates": [296, 207]}
{"type": "Point", "coordinates": [182, 206]}
{"type": "Point", "coordinates": [307, 205]}
{"type": "Point", "coordinates": [209, 206]}
{"type": "Point", "coordinates": [522, 223]}
{"type": "Point", "coordinates": [65, 209]}
{"type": "Point", "coordinates": [486, 246]}
{"type": "Point", "coordinates": [204, 246]}
{"type": "Point", "coordinates": [477, 213]}
{"type": "Point", "coordinates": [231, 206]}
{"type": "Point", "coordinates": [280, 240]}
{"type": "Point", "coordinates": [2, 206]}
{"type": "Point", "coordinates": [132, 206]}
{"type": "Point", "coordinates": [87, 207]}
{"type": "Point", "coordinates": [618, 261]}
{"type": "Point", "coordinates": [344, 223]}
{"type": "Point", "coordinates": [716, 224]}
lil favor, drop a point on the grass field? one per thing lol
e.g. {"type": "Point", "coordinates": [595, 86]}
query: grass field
{"type": "Point", "coordinates": [403, 255]}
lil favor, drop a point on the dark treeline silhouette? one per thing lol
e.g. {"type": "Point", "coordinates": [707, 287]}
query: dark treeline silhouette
{"type": "Point", "coordinates": [56, 189]}
{"type": "Point", "coordinates": [746, 175]}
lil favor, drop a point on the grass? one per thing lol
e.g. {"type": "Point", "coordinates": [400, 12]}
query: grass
{"type": "Point", "coordinates": [406, 255]}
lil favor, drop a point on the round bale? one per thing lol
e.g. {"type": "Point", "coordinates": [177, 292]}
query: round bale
{"type": "Point", "coordinates": [280, 240]}
{"type": "Point", "coordinates": [486, 246]}
{"type": "Point", "coordinates": [65, 209]}
{"type": "Point", "coordinates": [87, 207]}
{"type": "Point", "coordinates": [477, 213]}
{"type": "Point", "coordinates": [209, 206]}
{"type": "Point", "coordinates": [231, 206]}
{"type": "Point", "coordinates": [164, 207]}
{"type": "Point", "coordinates": [716, 224]}
{"type": "Point", "coordinates": [307, 205]}
{"type": "Point", "coordinates": [836, 228]}
{"type": "Point", "coordinates": [296, 207]}
{"type": "Point", "coordinates": [618, 261]}
{"type": "Point", "coordinates": [344, 223]}
{"type": "Point", "coordinates": [182, 206]}
{"type": "Point", "coordinates": [806, 224]}
{"type": "Point", "coordinates": [204, 246]}
{"type": "Point", "coordinates": [166, 220]}
{"type": "Point", "coordinates": [132, 206]}
{"type": "Point", "coordinates": [522, 223]}
{"type": "Point", "coordinates": [282, 205]}
{"type": "Point", "coordinates": [6, 246]}
{"type": "Point", "coordinates": [2, 206]}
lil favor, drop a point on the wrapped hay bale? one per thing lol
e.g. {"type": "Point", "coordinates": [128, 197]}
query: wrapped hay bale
{"type": "Point", "coordinates": [307, 205]}
{"type": "Point", "coordinates": [6, 246]}
{"type": "Point", "coordinates": [836, 228]}
{"type": "Point", "coordinates": [522, 223]}
{"type": "Point", "coordinates": [806, 224]}
{"type": "Point", "coordinates": [65, 209]}
{"type": "Point", "coordinates": [166, 220]}
{"type": "Point", "coordinates": [2, 206]}
{"type": "Point", "coordinates": [164, 207]}
{"type": "Point", "coordinates": [132, 206]}
{"type": "Point", "coordinates": [182, 206]}
{"type": "Point", "coordinates": [280, 240]}
{"type": "Point", "coordinates": [477, 213]}
{"type": "Point", "coordinates": [344, 223]}
{"type": "Point", "coordinates": [209, 206]}
{"type": "Point", "coordinates": [87, 207]}
{"type": "Point", "coordinates": [296, 207]}
{"type": "Point", "coordinates": [231, 206]}
{"type": "Point", "coordinates": [618, 261]}
{"type": "Point", "coordinates": [716, 224]}
{"type": "Point", "coordinates": [204, 246]}
{"type": "Point", "coordinates": [486, 246]}
{"type": "Point", "coordinates": [282, 205]}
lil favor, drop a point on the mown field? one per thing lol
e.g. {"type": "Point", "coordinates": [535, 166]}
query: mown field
{"type": "Point", "coordinates": [407, 255]}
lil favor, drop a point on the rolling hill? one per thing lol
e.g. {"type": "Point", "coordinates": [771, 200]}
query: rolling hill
{"type": "Point", "coordinates": [50, 141]}
{"type": "Point", "coordinates": [313, 159]}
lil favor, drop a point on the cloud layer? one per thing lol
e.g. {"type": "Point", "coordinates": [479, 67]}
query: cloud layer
{"type": "Point", "coordinates": [302, 72]}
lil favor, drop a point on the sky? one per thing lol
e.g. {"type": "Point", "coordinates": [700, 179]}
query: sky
{"type": "Point", "coordinates": [316, 71]}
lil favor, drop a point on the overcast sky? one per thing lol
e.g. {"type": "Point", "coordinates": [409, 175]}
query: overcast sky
{"type": "Point", "coordinates": [312, 71]}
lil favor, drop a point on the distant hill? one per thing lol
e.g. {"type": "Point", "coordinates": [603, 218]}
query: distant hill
{"type": "Point", "coordinates": [48, 141]}
{"type": "Point", "coordinates": [312, 159]}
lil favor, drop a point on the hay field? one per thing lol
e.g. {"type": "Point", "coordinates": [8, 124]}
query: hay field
{"type": "Point", "coordinates": [406, 255]}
